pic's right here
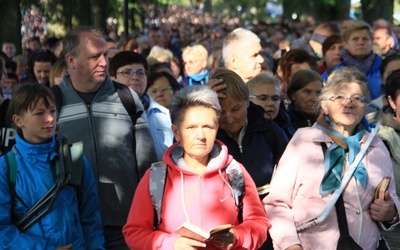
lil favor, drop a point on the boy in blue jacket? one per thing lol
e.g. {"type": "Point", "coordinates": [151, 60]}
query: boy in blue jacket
{"type": "Point", "coordinates": [73, 221]}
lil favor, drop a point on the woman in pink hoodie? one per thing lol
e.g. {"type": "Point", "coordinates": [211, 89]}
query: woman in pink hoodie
{"type": "Point", "coordinates": [197, 189]}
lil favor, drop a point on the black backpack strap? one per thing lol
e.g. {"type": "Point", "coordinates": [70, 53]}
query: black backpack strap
{"type": "Point", "coordinates": [58, 97]}
{"type": "Point", "coordinates": [158, 173]}
{"type": "Point", "coordinates": [236, 180]}
{"type": "Point", "coordinates": [127, 100]}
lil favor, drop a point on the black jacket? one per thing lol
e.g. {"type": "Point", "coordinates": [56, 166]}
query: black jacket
{"type": "Point", "coordinates": [262, 145]}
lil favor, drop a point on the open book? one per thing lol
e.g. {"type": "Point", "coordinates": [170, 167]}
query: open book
{"type": "Point", "coordinates": [381, 188]}
{"type": "Point", "coordinates": [190, 230]}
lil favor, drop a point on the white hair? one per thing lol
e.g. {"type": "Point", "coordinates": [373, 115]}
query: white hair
{"type": "Point", "coordinates": [237, 40]}
{"type": "Point", "coordinates": [160, 54]}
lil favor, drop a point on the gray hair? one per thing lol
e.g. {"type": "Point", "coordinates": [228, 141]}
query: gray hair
{"type": "Point", "coordinates": [263, 78]}
{"type": "Point", "coordinates": [237, 40]}
{"type": "Point", "coordinates": [192, 96]}
{"type": "Point", "coordinates": [345, 75]}
{"type": "Point", "coordinates": [160, 54]}
{"type": "Point", "coordinates": [72, 39]}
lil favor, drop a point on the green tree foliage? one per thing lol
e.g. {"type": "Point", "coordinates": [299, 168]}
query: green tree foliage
{"type": "Point", "coordinates": [323, 10]}
{"type": "Point", "coordinates": [65, 14]}
{"type": "Point", "coordinates": [375, 9]}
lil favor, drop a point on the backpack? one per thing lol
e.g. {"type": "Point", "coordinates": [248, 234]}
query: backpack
{"type": "Point", "coordinates": [158, 173]}
{"type": "Point", "coordinates": [70, 172]}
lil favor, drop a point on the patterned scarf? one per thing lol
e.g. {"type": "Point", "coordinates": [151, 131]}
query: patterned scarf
{"type": "Point", "coordinates": [336, 154]}
{"type": "Point", "coordinates": [363, 65]}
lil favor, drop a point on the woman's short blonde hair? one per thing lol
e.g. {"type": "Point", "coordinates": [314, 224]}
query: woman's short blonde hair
{"type": "Point", "coordinates": [196, 51]}
{"type": "Point", "coordinates": [356, 26]}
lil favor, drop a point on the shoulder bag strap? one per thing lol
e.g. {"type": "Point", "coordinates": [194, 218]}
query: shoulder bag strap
{"type": "Point", "coordinates": [346, 178]}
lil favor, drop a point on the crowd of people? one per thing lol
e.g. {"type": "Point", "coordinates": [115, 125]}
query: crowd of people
{"type": "Point", "coordinates": [264, 127]}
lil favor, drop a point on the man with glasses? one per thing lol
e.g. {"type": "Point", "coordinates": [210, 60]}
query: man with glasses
{"type": "Point", "coordinates": [131, 68]}
{"type": "Point", "coordinates": [119, 148]}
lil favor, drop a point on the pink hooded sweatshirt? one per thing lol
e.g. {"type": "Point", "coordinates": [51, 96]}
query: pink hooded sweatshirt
{"type": "Point", "coordinates": [204, 200]}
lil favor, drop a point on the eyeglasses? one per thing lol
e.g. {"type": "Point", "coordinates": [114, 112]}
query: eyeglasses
{"type": "Point", "coordinates": [154, 91]}
{"type": "Point", "coordinates": [266, 98]}
{"type": "Point", "coordinates": [357, 100]}
{"type": "Point", "coordinates": [129, 72]}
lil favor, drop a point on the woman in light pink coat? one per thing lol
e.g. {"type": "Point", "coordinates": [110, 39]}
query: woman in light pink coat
{"type": "Point", "coordinates": [307, 174]}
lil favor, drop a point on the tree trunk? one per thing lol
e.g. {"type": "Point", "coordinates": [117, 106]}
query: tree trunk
{"type": "Point", "coordinates": [68, 14]}
{"type": "Point", "coordinates": [10, 23]}
{"type": "Point", "coordinates": [324, 11]}
{"type": "Point", "coordinates": [98, 17]}
{"type": "Point", "coordinates": [375, 9]}
{"type": "Point", "coordinates": [287, 9]}
{"type": "Point", "coordinates": [342, 9]}
{"type": "Point", "coordinates": [83, 12]}
{"type": "Point", "coordinates": [208, 6]}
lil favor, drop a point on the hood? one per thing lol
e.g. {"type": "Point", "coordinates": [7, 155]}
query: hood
{"type": "Point", "coordinates": [255, 118]}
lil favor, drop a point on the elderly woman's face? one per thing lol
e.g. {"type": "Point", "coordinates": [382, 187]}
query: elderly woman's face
{"type": "Point", "coordinates": [196, 133]}
{"type": "Point", "coordinates": [233, 115]}
{"type": "Point", "coordinates": [345, 108]}
{"type": "Point", "coordinates": [306, 98]}
{"type": "Point", "coordinates": [194, 65]}
{"type": "Point", "coordinates": [267, 96]}
{"type": "Point", "coordinates": [161, 91]}
{"type": "Point", "coordinates": [359, 44]}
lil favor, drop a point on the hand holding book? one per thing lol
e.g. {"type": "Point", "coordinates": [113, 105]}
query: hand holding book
{"type": "Point", "coordinates": [382, 187]}
{"type": "Point", "coordinates": [221, 236]}
{"type": "Point", "coordinates": [382, 208]}
{"type": "Point", "coordinates": [223, 240]}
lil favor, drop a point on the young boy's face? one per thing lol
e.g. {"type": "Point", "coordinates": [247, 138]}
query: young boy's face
{"type": "Point", "coordinates": [38, 124]}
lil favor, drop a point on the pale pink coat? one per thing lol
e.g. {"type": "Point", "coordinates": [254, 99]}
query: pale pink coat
{"type": "Point", "coordinates": [295, 196]}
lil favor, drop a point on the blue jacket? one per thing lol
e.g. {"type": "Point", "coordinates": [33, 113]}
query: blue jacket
{"type": "Point", "coordinates": [160, 127]}
{"type": "Point", "coordinates": [68, 221]}
{"type": "Point", "coordinates": [255, 153]}
{"type": "Point", "coordinates": [373, 76]}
